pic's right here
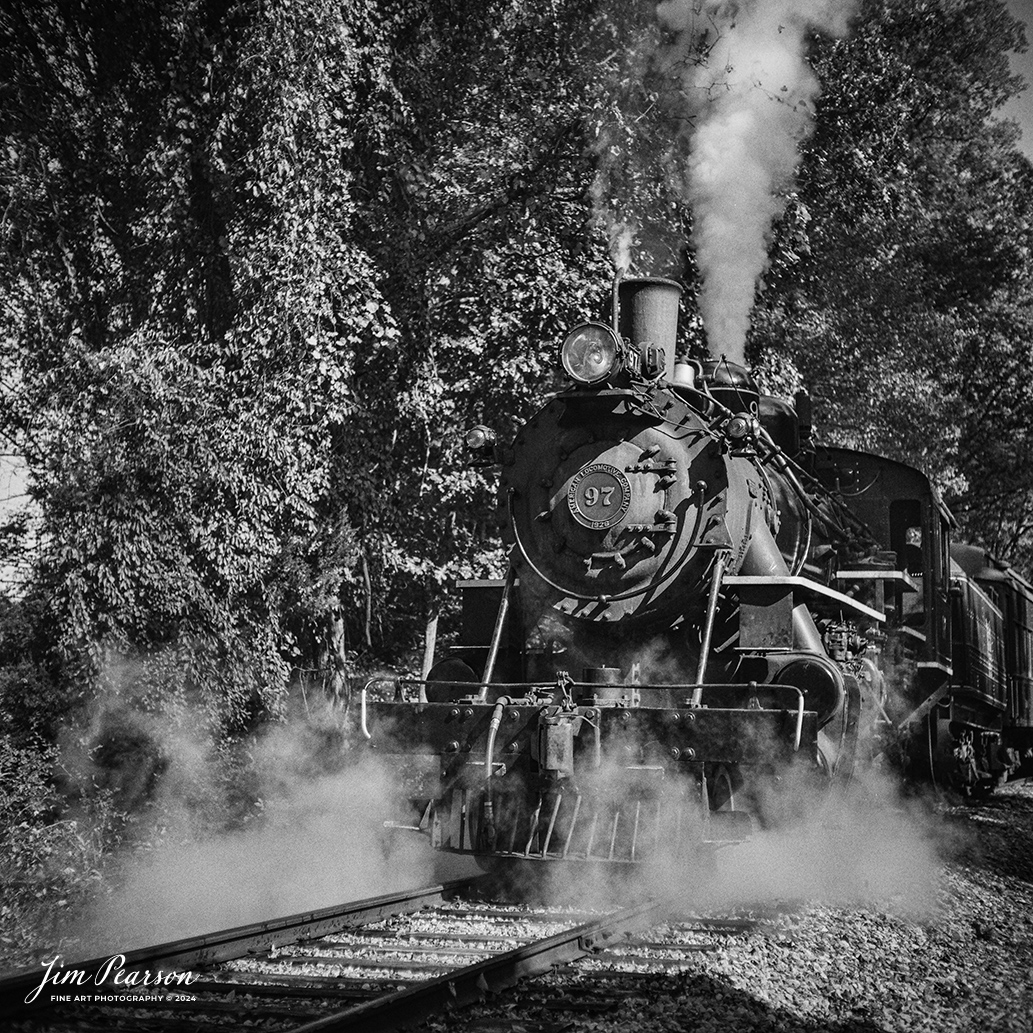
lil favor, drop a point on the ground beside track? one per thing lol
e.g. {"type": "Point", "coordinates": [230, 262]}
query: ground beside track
{"type": "Point", "coordinates": [962, 961]}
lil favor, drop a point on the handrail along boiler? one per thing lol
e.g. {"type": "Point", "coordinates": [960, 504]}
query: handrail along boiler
{"type": "Point", "coordinates": [699, 615]}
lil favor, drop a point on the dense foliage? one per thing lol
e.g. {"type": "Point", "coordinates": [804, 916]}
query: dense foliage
{"type": "Point", "coordinates": [263, 262]}
{"type": "Point", "coordinates": [914, 264]}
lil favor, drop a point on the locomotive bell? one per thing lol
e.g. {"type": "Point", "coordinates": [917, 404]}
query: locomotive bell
{"type": "Point", "coordinates": [645, 312]}
{"type": "Point", "coordinates": [731, 385]}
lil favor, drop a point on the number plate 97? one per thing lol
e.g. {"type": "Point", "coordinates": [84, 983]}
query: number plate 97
{"type": "Point", "coordinates": [599, 496]}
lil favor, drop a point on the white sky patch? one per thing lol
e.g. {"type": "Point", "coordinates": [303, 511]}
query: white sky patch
{"type": "Point", "coordinates": [1021, 108]}
{"type": "Point", "coordinates": [14, 501]}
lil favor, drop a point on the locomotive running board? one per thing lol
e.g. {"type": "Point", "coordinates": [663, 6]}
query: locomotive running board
{"type": "Point", "coordinates": [805, 585]}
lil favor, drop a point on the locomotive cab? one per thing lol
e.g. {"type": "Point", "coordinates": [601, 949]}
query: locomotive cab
{"type": "Point", "coordinates": [903, 510]}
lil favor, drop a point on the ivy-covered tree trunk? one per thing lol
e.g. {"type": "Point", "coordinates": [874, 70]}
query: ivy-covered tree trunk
{"type": "Point", "coordinates": [184, 304]}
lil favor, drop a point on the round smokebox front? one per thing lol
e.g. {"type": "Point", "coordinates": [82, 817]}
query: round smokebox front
{"type": "Point", "coordinates": [604, 518]}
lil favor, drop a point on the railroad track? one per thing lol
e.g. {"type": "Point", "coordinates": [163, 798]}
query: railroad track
{"type": "Point", "coordinates": [376, 964]}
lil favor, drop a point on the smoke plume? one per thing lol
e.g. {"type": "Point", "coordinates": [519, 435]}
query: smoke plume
{"type": "Point", "coordinates": [734, 74]}
{"type": "Point", "coordinates": [751, 92]}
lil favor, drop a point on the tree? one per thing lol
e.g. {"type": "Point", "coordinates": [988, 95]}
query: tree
{"type": "Point", "coordinates": [901, 274]}
{"type": "Point", "coordinates": [473, 171]}
{"type": "Point", "coordinates": [180, 328]}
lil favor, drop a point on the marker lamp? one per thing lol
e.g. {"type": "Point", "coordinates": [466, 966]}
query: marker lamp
{"type": "Point", "coordinates": [591, 353]}
{"type": "Point", "coordinates": [480, 438]}
{"type": "Point", "coordinates": [741, 427]}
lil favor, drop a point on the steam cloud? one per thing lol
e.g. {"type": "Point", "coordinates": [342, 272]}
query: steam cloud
{"type": "Point", "coordinates": [736, 72]}
{"type": "Point", "coordinates": [296, 824]}
{"type": "Point", "coordinates": [871, 846]}
{"type": "Point", "coordinates": [319, 843]}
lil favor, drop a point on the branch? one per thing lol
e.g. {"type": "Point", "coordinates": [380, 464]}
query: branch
{"type": "Point", "coordinates": [518, 186]}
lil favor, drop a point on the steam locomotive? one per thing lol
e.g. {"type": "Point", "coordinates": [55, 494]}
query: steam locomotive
{"type": "Point", "coordinates": [705, 616]}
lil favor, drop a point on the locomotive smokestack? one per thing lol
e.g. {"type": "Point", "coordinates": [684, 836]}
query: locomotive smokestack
{"type": "Point", "coordinates": [645, 311]}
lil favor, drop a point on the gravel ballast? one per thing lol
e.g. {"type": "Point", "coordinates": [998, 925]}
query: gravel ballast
{"type": "Point", "coordinates": [938, 937]}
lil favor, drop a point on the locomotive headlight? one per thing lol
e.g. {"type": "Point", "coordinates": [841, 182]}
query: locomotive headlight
{"type": "Point", "coordinates": [591, 353]}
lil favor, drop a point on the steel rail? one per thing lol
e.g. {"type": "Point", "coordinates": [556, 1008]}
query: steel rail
{"type": "Point", "coordinates": [200, 951]}
{"type": "Point", "coordinates": [466, 985]}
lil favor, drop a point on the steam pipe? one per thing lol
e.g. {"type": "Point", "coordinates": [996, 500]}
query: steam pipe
{"type": "Point", "coordinates": [489, 765]}
{"type": "Point", "coordinates": [363, 726]}
{"type": "Point", "coordinates": [496, 635]}
{"type": "Point", "coordinates": [799, 721]}
{"type": "Point", "coordinates": [763, 559]}
{"type": "Point", "coordinates": [786, 466]}
{"type": "Point", "coordinates": [716, 576]}
{"type": "Point", "coordinates": [493, 731]}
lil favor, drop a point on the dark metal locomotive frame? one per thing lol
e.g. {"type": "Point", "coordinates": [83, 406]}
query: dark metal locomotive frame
{"type": "Point", "coordinates": [672, 509]}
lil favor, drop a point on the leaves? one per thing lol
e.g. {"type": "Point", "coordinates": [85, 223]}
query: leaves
{"type": "Point", "coordinates": [915, 246]}
{"type": "Point", "coordinates": [178, 333]}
